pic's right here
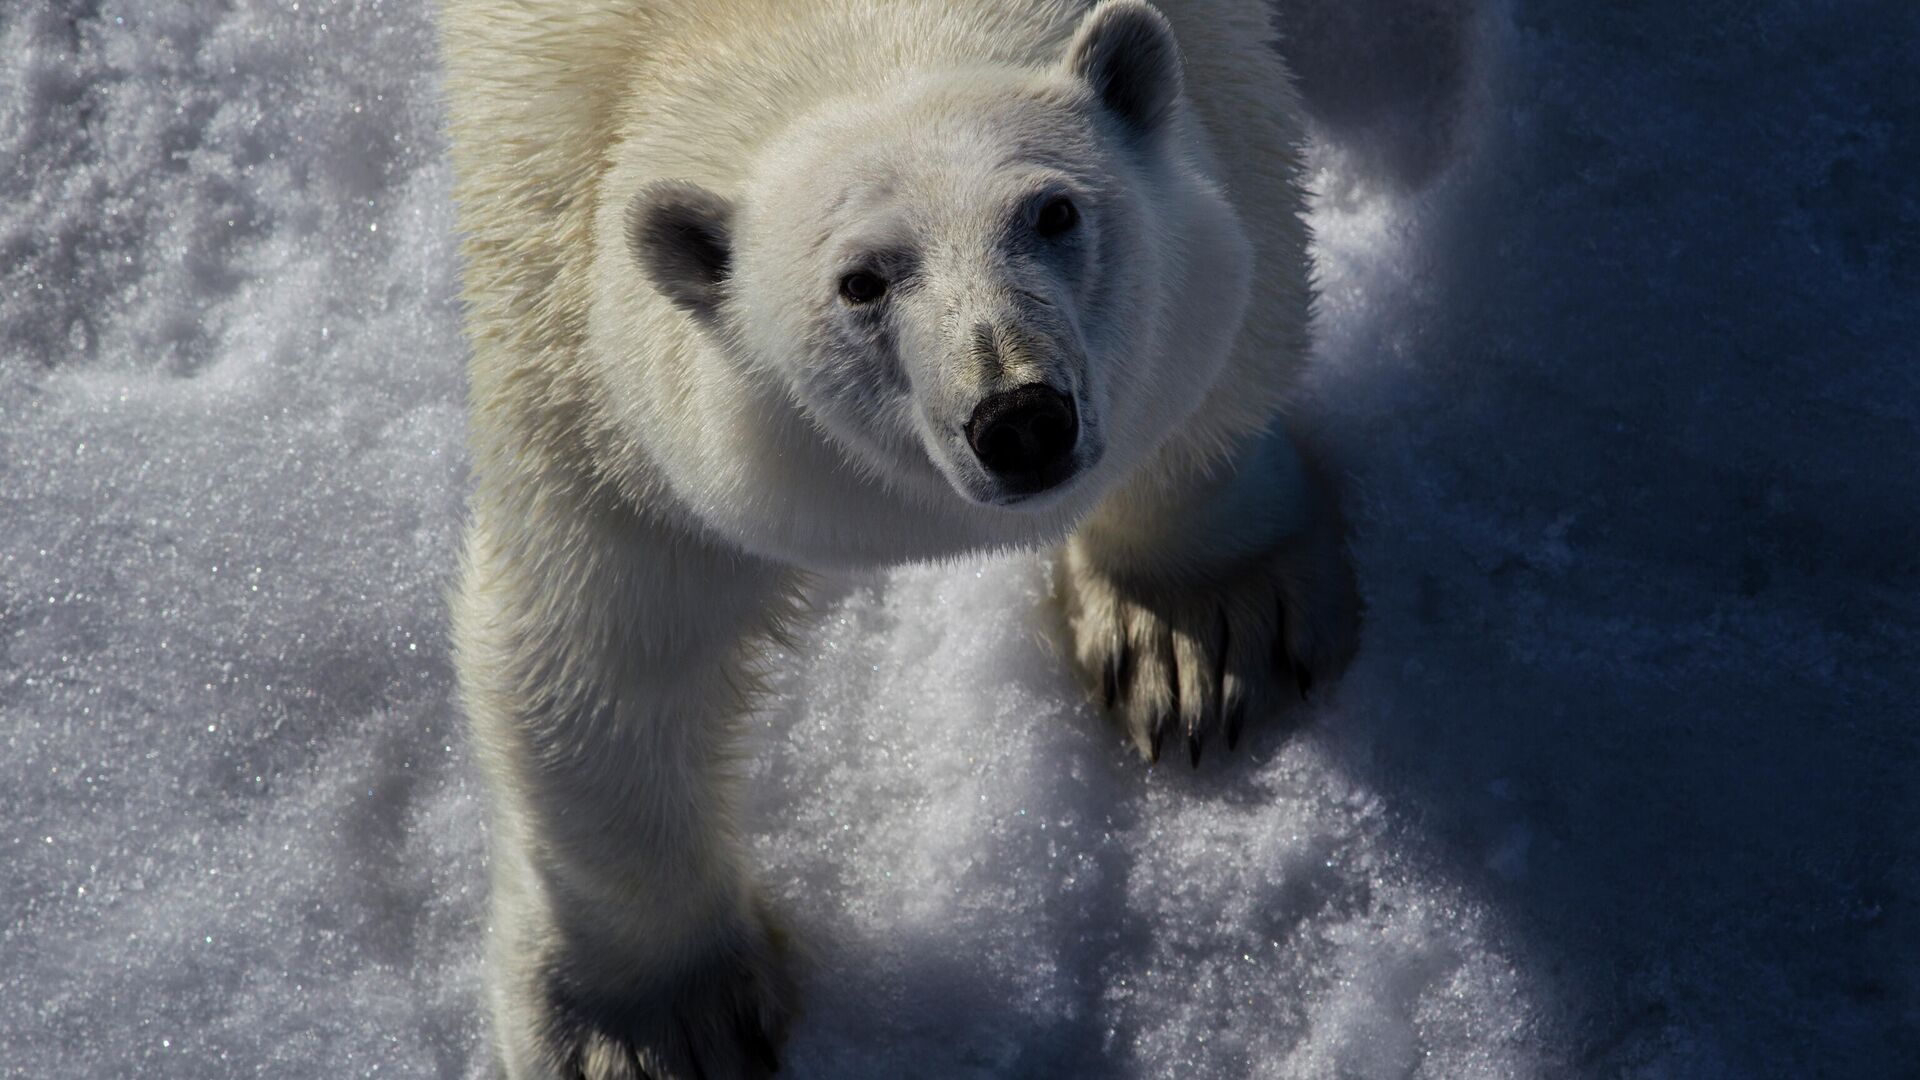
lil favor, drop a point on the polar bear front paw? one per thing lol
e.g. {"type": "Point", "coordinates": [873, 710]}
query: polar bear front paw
{"type": "Point", "coordinates": [721, 1020]}
{"type": "Point", "coordinates": [1197, 654]}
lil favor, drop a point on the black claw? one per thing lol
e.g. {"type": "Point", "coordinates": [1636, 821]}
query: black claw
{"type": "Point", "coordinates": [1193, 748]}
{"type": "Point", "coordinates": [1304, 678]}
{"type": "Point", "coordinates": [1236, 717]}
{"type": "Point", "coordinates": [1110, 681]}
{"type": "Point", "coordinates": [761, 1046]}
{"type": "Point", "coordinates": [1281, 654]}
{"type": "Point", "coordinates": [1159, 734]}
{"type": "Point", "coordinates": [692, 1059]}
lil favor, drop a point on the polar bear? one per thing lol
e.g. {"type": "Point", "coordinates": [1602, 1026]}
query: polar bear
{"type": "Point", "coordinates": [761, 287]}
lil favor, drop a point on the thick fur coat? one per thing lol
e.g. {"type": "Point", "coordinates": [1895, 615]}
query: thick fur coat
{"type": "Point", "coordinates": [762, 286]}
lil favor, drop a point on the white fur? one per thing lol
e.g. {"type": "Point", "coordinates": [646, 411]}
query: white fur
{"type": "Point", "coordinates": [650, 477]}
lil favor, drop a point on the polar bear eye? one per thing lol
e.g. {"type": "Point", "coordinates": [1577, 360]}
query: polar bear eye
{"type": "Point", "coordinates": [1056, 217]}
{"type": "Point", "coordinates": [861, 287]}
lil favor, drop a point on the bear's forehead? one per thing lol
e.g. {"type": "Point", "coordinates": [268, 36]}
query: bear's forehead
{"type": "Point", "coordinates": [956, 164]}
{"type": "Point", "coordinates": [959, 198]}
{"type": "Point", "coordinates": [946, 155]}
{"type": "Point", "coordinates": [941, 128]}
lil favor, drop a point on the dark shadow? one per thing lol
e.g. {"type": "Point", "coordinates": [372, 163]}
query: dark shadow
{"type": "Point", "coordinates": [1623, 407]}
{"type": "Point", "coordinates": [1388, 81]}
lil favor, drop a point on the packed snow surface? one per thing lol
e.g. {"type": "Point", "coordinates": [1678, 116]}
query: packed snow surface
{"type": "Point", "coordinates": [1617, 349]}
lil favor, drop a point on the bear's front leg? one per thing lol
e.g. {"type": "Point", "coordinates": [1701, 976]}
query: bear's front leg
{"type": "Point", "coordinates": [1197, 599]}
{"type": "Point", "coordinates": [603, 676]}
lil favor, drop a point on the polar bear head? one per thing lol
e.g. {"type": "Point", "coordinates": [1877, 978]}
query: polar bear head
{"type": "Point", "coordinates": [1004, 283]}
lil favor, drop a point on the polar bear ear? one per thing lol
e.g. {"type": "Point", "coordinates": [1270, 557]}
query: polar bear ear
{"type": "Point", "coordinates": [682, 236]}
{"type": "Point", "coordinates": [1125, 50]}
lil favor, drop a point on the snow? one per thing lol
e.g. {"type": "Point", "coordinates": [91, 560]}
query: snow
{"type": "Point", "coordinates": [1616, 349]}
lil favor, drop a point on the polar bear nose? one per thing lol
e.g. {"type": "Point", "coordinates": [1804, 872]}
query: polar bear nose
{"type": "Point", "coordinates": [1025, 436]}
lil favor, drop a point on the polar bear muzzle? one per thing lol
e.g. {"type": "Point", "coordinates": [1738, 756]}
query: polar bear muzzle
{"type": "Point", "coordinates": [1025, 437]}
